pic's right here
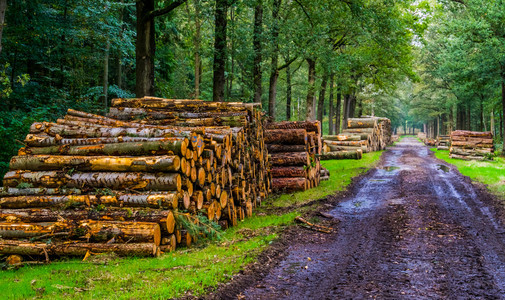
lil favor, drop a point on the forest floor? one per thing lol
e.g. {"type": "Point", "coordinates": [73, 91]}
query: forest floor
{"type": "Point", "coordinates": [412, 228]}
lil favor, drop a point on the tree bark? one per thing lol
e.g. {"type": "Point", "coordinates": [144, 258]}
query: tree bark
{"type": "Point", "coordinates": [145, 45]}
{"type": "Point", "coordinates": [288, 93]}
{"type": "Point", "coordinates": [3, 8]}
{"type": "Point", "coordinates": [322, 94]}
{"type": "Point", "coordinates": [274, 71]}
{"type": "Point", "coordinates": [286, 137]}
{"type": "Point", "coordinates": [344, 154]}
{"type": "Point", "coordinates": [257, 41]}
{"type": "Point", "coordinates": [338, 112]}
{"type": "Point", "coordinates": [219, 80]}
{"type": "Point", "coordinates": [311, 89]}
{"type": "Point", "coordinates": [113, 180]}
{"type": "Point", "coordinates": [145, 49]}
{"type": "Point", "coordinates": [290, 159]}
{"type": "Point", "coordinates": [106, 75]}
{"type": "Point", "coordinates": [503, 110]}
{"type": "Point", "coordinates": [290, 184]}
{"type": "Point", "coordinates": [276, 148]}
{"type": "Point", "coordinates": [331, 112]}
{"type": "Point", "coordinates": [197, 42]}
{"type": "Point", "coordinates": [96, 163]}
{"type": "Point", "coordinates": [77, 248]}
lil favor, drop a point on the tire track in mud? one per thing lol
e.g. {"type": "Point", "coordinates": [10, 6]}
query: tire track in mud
{"type": "Point", "coordinates": [414, 228]}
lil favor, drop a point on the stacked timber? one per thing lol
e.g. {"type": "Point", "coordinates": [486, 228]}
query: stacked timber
{"type": "Point", "coordinates": [362, 135]}
{"type": "Point", "coordinates": [293, 149]}
{"type": "Point", "coordinates": [471, 145]}
{"type": "Point", "coordinates": [443, 142]}
{"type": "Point", "coordinates": [92, 184]}
{"type": "Point", "coordinates": [430, 142]}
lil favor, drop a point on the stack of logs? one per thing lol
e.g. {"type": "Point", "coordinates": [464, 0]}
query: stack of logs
{"type": "Point", "coordinates": [443, 142]}
{"type": "Point", "coordinates": [91, 184]}
{"type": "Point", "coordinates": [361, 136]}
{"type": "Point", "coordinates": [293, 148]}
{"type": "Point", "coordinates": [471, 145]}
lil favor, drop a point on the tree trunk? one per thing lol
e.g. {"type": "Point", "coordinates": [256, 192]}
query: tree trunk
{"type": "Point", "coordinates": [288, 93]}
{"type": "Point", "coordinates": [278, 172]}
{"type": "Point", "coordinates": [503, 109]}
{"type": "Point", "coordinates": [289, 184]}
{"type": "Point", "coordinates": [290, 159]}
{"type": "Point", "coordinates": [106, 75]}
{"type": "Point", "coordinates": [276, 148]}
{"type": "Point", "coordinates": [257, 41]}
{"type": "Point", "coordinates": [338, 112]}
{"type": "Point", "coordinates": [197, 41]}
{"type": "Point", "coordinates": [145, 49]}
{"type": "Point", "coordinates": [219, 80]}
{"type": "Point", "coordinates": [331, 112]}
{"type": "Point", "coordinates": [3, 8]}
{"type": "Point", "coordinates": [322, 94]}
{"type": "Point", "coordinates": [274, 71]}
{"type": "Point", "coordinates": [311, 89]}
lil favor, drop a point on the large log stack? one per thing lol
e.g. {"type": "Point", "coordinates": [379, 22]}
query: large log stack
{"type": "Point", "coordinates": [294, 149]}
{"type": "Point", "coordinates": [362, 135]}
{"type": "Point", "coordinates": [90, 183]}
{"type": "Point", "coordinates": [471, 145]}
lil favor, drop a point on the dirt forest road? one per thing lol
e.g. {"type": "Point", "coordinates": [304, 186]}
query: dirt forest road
{"type": "Point", "coordinates": [414, 228]}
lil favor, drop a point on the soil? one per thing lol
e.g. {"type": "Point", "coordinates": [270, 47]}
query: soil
{"type": "Point", "coordinates": [412, 228]}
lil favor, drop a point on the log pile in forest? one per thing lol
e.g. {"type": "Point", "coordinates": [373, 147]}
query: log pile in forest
{"type": "Point", "coordinates": [471, 145]}
{"type": "Point", "coordinates": [443, 142]}
{"type": "Point", "coordinates": [361, 136]}
{"type": "Point", "coordinates": [294, 148]}
{"type": "Point", "coordinates": [92, 184]}
{"type": "Point", "coordinates": [430, 142]}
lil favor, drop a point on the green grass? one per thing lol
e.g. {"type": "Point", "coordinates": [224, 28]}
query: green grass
{"type": "Point", "coordinates": [341, 173]}
{"type": "Point", "coordinates": [490, 173]}
{"type": "Point", "coordinates": [168, 276]}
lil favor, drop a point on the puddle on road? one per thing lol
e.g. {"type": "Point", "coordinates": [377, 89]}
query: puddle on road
{"type": "Point", "coordinates": [444, 168]}
{"type": "Point", "coordinates": [390, 168]}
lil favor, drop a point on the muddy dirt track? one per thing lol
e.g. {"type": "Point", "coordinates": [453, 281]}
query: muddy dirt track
{"type": "Point", "coordinates": [414, 228]}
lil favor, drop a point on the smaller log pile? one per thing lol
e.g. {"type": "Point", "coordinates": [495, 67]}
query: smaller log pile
{"type": "Point", "coordinates": [293, 149]}
{"type": "Point", "coordinates": [362, 135]}
{"type": "Point", "coordinates": [430, 142]}
{"type": "Point", "coordinates": [443, 142]}
{"type": "Point", "coordinates": [471, 145]}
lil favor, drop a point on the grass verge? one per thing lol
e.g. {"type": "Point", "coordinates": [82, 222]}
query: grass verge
{"type": "Point", "coordinates": [174, 274]}
{"type": "Point", "coordinates": [490, 173]}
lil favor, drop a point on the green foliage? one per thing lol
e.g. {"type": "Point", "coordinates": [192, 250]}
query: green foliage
{"type": "Point", "coordinates": [198, 226]}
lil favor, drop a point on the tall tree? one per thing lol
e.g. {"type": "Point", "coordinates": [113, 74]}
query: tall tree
{"type": "Point", "coordinates": [311, 89]}
{"type": "Point", "coordinates": [257, 42]}
{"type": "Point", "coordinates": [220, 53]}
{"type": "Point", "coordinates": [146, 45]}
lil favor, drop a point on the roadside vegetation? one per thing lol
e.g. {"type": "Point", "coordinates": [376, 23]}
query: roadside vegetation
{"type": "Point", "coordinates": [490, 173]}
{"type": "Point", "coordinates": [194, 270]}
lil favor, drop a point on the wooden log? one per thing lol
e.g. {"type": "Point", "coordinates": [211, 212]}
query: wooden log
{"type": "Point", "coordinates": [289, 171]}
{"type": "Point", "coordinates": [343, 137]}
{"type": "Point", "coordinates": [469, 157]}
{"type": "Point", "coordinates": [97, 163]}
{"type": "Point", "coordinates": [486, 134]}
{"type": "Point", "coordinates": [76, 248]}
{"type": "Point", "coordinates": [290, 159]}
{"type": "Point", "coordinates": [313, 126]}
{"type": "Point", "coordinates": [159, 200]}
{"type": "Point", "coordinates": [175, 146]}
{"type": "Point", "coordinates": [469, 145]}
{"type": "Point", "coordinates": [276, 148]}
{"type": "Point", "coordinates": [10, 191]}
{"type": "Point", "coordinates": [290, 184]}
{"type": "Point", "coordinates": [41, 215]}
{"type": "Point", "coordinates": [55, 130]}
{"type": "Point", "coordinates": [361, 123]}
{"type": "Point", "coordinates": [286, 137]}
{"type": "Point", "coordinates": [356, 154]}
{"type": "Point", "coordinates": [472, 152]}
{"type": "Point", "coordinates": [169, 243]}
{"type": "Point", "coordinates": [113, 180]}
